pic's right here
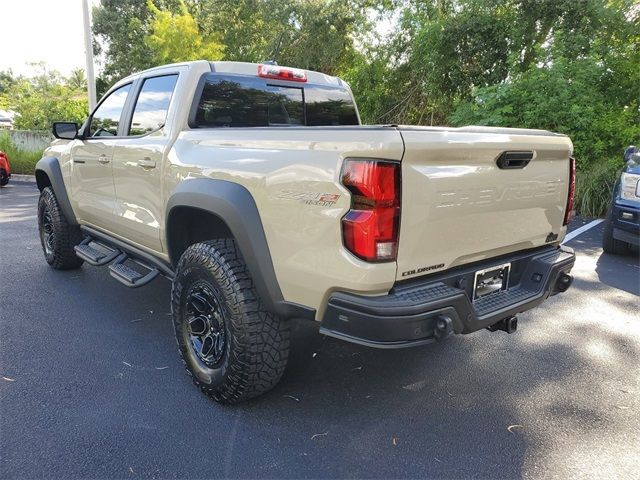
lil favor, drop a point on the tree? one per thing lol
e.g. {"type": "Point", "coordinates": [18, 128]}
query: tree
{"type": "Point", "coordinates": [119, 27]}
{"type": "Point", "coordinates": [77, 80]}
{"type": "Point", "coordinates": [133, 35]}
{"type": "Point", "coordinates": [45, 98]}
{"type": "Point", "coordinates": [7, 80]}
{"type": "Point", "coordinates": [176, 37]}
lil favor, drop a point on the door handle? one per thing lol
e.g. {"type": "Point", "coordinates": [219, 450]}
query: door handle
{"type": "Point", "coordinates": [103, 159]}
{"type": "Point", "coordinates": [146, 162]}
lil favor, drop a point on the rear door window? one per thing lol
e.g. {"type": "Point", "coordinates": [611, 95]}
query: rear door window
{"type": "Point", "coordinates": [235, 101]}
{"type": "Point", "coordinates": [152, 105]}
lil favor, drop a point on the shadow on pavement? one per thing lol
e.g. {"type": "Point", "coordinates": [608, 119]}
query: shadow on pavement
{"type": "Point", "coordinates": [620, 271]}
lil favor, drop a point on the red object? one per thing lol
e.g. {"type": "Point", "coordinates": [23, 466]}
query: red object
{"type": "Point", "coordinates": [370, 229]}
{"type": "Point", "coordinates": [282, 73]}
{"type": "Point", "coordinates": [5, 169]}
{"type": "Point", "coordinates": [568, 213]}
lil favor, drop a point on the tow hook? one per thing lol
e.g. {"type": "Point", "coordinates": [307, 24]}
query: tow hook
{"type": "Point", "coordinates": [564, 282]}
{"type": "Point", "coordinates": [444, 327]}
{"type": "Point", "coordinates": [509, 325]}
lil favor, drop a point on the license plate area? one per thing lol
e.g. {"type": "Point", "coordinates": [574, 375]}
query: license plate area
{"type": "Point", "coordinates": [491, 280]}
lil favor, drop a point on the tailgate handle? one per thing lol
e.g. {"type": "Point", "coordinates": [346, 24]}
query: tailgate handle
{"type": "Point", "coordinates": [510, 160]}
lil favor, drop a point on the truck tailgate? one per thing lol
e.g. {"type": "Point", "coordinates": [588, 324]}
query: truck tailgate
{"type": "Point", "coordinates": [459, 206]}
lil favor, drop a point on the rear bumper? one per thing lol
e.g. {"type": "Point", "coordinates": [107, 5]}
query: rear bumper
{"type": "Point", "coordinates": [413, 313]}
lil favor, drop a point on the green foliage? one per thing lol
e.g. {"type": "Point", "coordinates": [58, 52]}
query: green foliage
{"type": "Point", "coordinates": [22, 161]}
{"type": "Point", "coordinates": [43, 99]}
{"type": "Point", "coordinates": [119, 28]}
{"type": "Point", "coordinates": [77, 80]}
{"type": "Point", "coordinates": [594, 187]}
{"type": "Point", "coordinates": [6, 81]}
{"type": "Point", "coordinates": [176, 37]}
{"type": "Point", "coordinates": [317, 34]}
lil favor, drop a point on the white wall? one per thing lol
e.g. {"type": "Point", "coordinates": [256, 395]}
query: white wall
{"type": "Point", "coordinates": [32, 141]}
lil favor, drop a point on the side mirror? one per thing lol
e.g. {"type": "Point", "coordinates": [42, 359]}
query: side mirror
{"type": "Point", "coordinates": [65, 130]}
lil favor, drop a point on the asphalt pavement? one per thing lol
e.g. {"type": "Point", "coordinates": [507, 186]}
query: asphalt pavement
{"type": "Point", "coordinates": [91, 385]}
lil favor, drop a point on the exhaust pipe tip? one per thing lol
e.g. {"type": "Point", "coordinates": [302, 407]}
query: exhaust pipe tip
{"type": "Point", "coordinates": [563, 282]}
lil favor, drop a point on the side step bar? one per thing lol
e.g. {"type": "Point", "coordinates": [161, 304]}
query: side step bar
{"type": "Point", "coordinates": [93, 256]}
{"type": "Point", "coordinates": [128, 276]}
{"type": "Point", "coordinates": [99, 249]}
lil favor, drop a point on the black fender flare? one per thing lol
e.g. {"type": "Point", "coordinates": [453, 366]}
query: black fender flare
{"type": "Point", "coordinates": [50, 166]}
{"type": "Point", "coordinates": [235, 206]}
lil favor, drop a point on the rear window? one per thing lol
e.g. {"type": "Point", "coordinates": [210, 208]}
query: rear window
{"type": "Point", "coordinates": [232, 101]}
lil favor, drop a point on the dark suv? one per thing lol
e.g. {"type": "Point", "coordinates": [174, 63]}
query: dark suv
{"type": "Point", "coordinates": [622, 227]}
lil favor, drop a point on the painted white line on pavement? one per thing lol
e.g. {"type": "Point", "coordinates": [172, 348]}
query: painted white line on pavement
{"type": "Point", "coordinates": [571, 235]}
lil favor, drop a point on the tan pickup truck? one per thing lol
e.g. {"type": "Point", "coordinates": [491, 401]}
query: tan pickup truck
{"type": "Point", "coordinates": [257, 192]}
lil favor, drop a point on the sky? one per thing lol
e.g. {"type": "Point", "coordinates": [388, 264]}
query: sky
{"type": "Point", "coordinates": [42, 30]}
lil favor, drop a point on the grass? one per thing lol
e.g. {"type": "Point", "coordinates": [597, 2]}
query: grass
{"type": "Point", "coordinates": [22, 161]}
{"type": "Point", "coordinates": [594, 187]}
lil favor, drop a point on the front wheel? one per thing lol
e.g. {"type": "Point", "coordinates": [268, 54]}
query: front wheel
{"type": "Point", "coordinates": [4, 177]}
{"type": "Point", "coordinates": [57, 236]}
{"type": "Point", "coordinates": [233, 348]}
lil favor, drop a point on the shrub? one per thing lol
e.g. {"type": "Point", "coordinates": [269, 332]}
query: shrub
{"type": "Point", "coordinates": [594, 187]}
{"type": "Point", "coordinates": [22, 161]}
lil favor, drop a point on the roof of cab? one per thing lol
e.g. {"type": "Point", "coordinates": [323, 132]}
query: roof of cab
{"type": "Point", "coordinates": [161, 67]}
{"type": "Point", "coordinates": [242, 68]}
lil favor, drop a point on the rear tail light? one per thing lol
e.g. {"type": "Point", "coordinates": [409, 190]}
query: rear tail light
{"type": "Point", "coordinates": [568, 213]}
{"type": "Point", "coordinates": [370, 228]}
{"type": "Point", "coordinates": [282, 73]}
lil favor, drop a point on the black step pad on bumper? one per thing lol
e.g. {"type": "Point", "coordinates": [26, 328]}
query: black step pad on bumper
{"type": "Point", "coordinates": [409, 314]}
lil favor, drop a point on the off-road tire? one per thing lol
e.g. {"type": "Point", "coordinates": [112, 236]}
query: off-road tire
{"type": "Point", "coordinates": [60, 254]}
{"type": "Point", "coordinates": [611, 244]}
{"type": "Point", "coordinates": [4, 178]}
{"type": "Point", "coordinates": [257, 341]}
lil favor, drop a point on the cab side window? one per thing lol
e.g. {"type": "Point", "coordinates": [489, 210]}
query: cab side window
{"type": "Point", "coordinates": [152, 105]}
{"type": "Point", "coordinates": [106, 118]}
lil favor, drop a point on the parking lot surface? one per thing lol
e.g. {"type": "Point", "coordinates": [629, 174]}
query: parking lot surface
{"type": "Point", "coordinates": [91, 385]}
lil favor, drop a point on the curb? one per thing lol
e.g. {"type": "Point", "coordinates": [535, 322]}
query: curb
{"type": "Point", "coordinates": [15, 177]}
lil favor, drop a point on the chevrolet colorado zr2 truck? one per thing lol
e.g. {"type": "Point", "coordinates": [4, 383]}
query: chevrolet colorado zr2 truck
{"type": "Point", "coordinates": [258, 193]}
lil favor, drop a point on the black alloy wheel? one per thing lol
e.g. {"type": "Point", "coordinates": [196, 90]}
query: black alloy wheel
{"type": "Point", "coordinates": [206, 319]}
